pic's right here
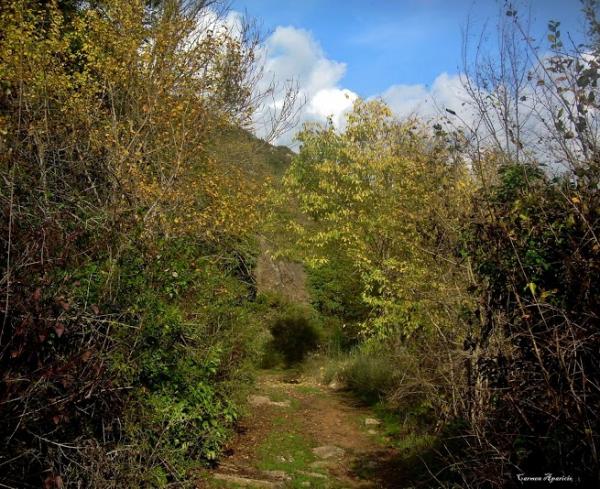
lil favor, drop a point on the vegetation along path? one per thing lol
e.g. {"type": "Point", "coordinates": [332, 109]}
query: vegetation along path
{"type": "Point", "coordinates": [299, 433]}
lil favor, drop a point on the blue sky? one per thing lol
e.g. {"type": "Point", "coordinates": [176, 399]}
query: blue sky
{"type": "Point", "coordinates": [385, 42]}
{"type": "Point", "coordinates": [408, 52]}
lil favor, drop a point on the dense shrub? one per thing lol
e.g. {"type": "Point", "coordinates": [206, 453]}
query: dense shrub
{"type": "Point", "coordinates": [532, 245]}
{"type": "Point", "coordinates": [295, 333]}
{"type": "Point", "coordinates": [336, 291]}
{"type": "Point", "coordinates": [368, 375]}
{"type": "Point", "coordinates": [126, 247]}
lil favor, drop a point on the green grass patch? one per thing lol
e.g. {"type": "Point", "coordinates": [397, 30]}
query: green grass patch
{"type": "Point", "coordinates": [404, 429]}
{"type": "Point", "coordinates": [277, 395]}
{"type": "Point", "coordinates": [308, 390]}
{"type": "Point", "coordinates": [415, 443]}
{"type": "Point", "coordinates": [392, 422]}
{"type": "Point", "coordinates": [291, 451]}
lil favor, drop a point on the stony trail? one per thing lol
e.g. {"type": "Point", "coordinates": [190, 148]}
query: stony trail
{"type": "Point", "coordinates": [301, 434]}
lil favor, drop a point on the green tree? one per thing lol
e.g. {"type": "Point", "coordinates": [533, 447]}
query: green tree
{"type": "Point", "coordinates": [377, 192]}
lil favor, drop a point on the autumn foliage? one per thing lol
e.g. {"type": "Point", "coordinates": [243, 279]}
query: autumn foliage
{"type": "Point", "coordinates": [474, 252]}
{"type": "Point", "coordinates": [453, 269]}
{"type": "Point", "coordinates": [107, 110]}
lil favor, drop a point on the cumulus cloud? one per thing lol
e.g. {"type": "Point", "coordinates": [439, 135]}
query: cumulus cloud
{"type": "Point", "coordinates": [230, 23]}
{"type": "Point", "coordinates": [331, 102]}
{"type": "Point", "coordinates": [446, 92]}
{"type": "Point", "coordinates": [292, 54]}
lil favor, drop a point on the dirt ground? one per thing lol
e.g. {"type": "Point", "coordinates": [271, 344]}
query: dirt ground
{"type": "Point", "coordinates": [301, 434]}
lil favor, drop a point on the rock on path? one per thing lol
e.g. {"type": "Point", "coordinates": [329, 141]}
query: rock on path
{"type": "Point", "coordinates": [372, 422]}
{"type": "Point", "coordinates": [328, 451]}
{"type": "Point", "coordinates": [244, 482]}
{"type": "Point", "coordinates": [265, 401]}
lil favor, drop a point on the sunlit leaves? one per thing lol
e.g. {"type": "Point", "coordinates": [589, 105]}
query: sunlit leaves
{"type": "Point", "coordinates": [377, 191]}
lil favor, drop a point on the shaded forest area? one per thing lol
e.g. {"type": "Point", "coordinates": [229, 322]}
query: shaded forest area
{"type": "Point", "coordinates": [452, 267]}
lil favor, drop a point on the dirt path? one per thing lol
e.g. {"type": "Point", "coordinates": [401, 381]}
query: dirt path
{"type": "Point", "coordinates": [300, 434]}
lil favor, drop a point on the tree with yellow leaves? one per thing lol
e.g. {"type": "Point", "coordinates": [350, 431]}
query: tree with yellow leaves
{"type": "Point", "coordinates": [124, 240]}
{"type": "Point", "coordinates": [389, 195]}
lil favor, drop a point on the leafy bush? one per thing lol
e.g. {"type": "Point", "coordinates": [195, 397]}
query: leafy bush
{"type": "Point", "coordinates": [369, 376]}
{"type": "Point", "coordinates": [126, 250]}
{"type": "Point", "coordinates": [295, 333]}
{"type": "Point", "coordinates": [270, 357]}
{"type": "Point", "coordinates": [530, 246]}
{"type": "Point", "coordinates": [338, 337]}
{"type": "Point", "coordinates": [336, 293]}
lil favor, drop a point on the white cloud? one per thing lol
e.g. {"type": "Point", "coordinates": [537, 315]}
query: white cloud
{"type": "Point", "coordinates": [292, 54]}
{"type": "Point", "coordinates": [446, 92]}
{"type": "Point", "coordinates": [331, 102]}
{"type": "Point", "coordinates": [230, 23]}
